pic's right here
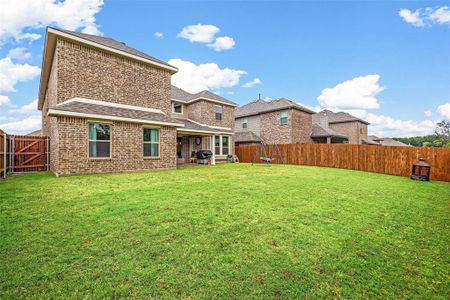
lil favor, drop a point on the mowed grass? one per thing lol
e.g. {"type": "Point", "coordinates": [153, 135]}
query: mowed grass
{"type": "Point", "coordinates": [226, 231]}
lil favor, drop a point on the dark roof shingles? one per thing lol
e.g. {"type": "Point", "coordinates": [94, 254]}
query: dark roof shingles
{"type": "Point", "coordinates": [180, 94]}
{"type": "Point", "coordinates": [263, 106]}
{"type": "Point", "coordinates": [194, 126]}
{"type": "Point", "coordinates": [111, 111]}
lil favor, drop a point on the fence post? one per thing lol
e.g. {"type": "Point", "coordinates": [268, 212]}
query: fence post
{"type": "Point", "coordinates": [12, 153]}
{"type": "Point", "coordinates": [4, 155]}
{"type": "Point", "coordinates": [47, 154]}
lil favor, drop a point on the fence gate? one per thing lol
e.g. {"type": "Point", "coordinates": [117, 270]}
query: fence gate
{"type": "Point", "coordinates": [22, 153]}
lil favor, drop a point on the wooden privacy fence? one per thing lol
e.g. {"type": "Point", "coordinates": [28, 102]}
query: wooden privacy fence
{"type": "Point", "coordinates": [379, 159]}
{"type": "Point", "coordinates": [22, 153]}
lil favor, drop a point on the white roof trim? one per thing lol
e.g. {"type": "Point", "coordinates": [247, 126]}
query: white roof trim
{"type": "Point", "coordinates": [210, 126]}
{"type": "Point", "coordinates": [111, 104]}
{"type": "Point", "coordinates": [205, 99]}
{"type": "Point", "coordinates": [57, 112]}
{"type": "Point", "coordinates": [97, 45]}
{"type": "Point", "coordinates": [203, 131]}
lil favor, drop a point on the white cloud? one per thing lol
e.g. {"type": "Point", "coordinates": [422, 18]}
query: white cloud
{"type": "Point", "coordinates": [411, 17]}
{"type": "Point", "coordinates": [252, 83]}
{"type": "Point", "coordinates": [11, 74]}
{"type": "Point", "coordinates": [159, 34]}
{"type": "Point", "coordinates": [199, 33]}
{"type": "Point", "coordinates": [30, 108]}
{"type": "Point", "coordinates": [444, 110]}
{"type": "Point", "coordinates": [25, 125]}
{"type": "Point", "coordinates": [441, 15]}
{"type": "Point", "coordinates": [428, 113]}
{"type": "Point", "coordinates": [385, 126]}
{"type": "Point", "coordinates": [357, 93]}
{"type": "Point", "coordinates": [195, 78]}
{"type": "Point", "coordinates": [17, 16]}
{"type": "Point", "coordinates": [4, 101]}
{"type": "Point", "coordinates": [222, 43]}
{"type": "Point", "coordinates": [230, 93]}
{"type": "Point", "coordinates": [19, 54]}
{"type": "Point", "coordinates": [28, 36]}
{"type": "Point", "coordinates": [427, 16]}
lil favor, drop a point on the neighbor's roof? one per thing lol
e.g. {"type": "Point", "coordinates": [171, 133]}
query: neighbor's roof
{"type": "Point", "coordinates": [320, 131]}
{"type": "Point", "coordinates": [192, 126]}
{"type": "Point", "coordinates": [246, 137]}
{"type": "Point", "coordinates": [392, 142]}
{"type": "Point", "coordinates": [88, 108]}
{"type": "Point", "coordinates": [368, 141]}
{"type": "Point", "coordinates": [102, 43]}
{"type": "Point", "coordinates": [262, 106]}
{"type": "Point", "coordinates": [34, 133]}
{"type": "Point", "coordinates": [337, 117]}
{"type": "Point", "coordinates": [184, 96]}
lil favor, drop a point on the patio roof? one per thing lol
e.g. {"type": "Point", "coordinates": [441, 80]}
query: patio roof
{"type": "Point", "coordinates": [193, 127]}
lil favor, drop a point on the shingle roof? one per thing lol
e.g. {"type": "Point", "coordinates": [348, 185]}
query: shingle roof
{"type": "Point", "coordinates": [180, 94]}
{"type": "Point", "coordinates": [246, 137]}
{"type": "Point", "coordinates": [189, 124]}
{"type": "Point", "coordinates": [262, 106]}
{"type": "Point", "coordinates": [338, 117]}
{"type": "Point", "coordinates": [109, 42]}
{"type": "Point", "coordinates": [73, 107]}
{"type": "Point", "coordinates": [320, 131]}
{"type": "Point", "coordinates": [34, 133]}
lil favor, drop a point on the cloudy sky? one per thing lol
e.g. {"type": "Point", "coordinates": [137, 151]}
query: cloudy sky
{"type": "Point", "coordinates": [387, 62]}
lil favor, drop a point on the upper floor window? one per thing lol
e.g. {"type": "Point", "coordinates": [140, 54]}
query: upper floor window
{"type": "Point", "coordinates": [244, 122]}
{"type": "Point", "coordinates": [283, 117]}
{"type": "Point", "coordinates": [218, 111]}
{"type": "Point", "coordinates": [177, 108]}
{"type": "Point", "coordinates": [151, 142]}
{"type": "Point", "coordinates": [99, 140]}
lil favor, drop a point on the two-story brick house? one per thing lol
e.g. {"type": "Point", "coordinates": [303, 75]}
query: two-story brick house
{"type": "Point", "coordinates": [279, 121]}
{"type": "Point", "coordinates": [108, 107]}
{"type": "Point", "coordinates": [339, 127]}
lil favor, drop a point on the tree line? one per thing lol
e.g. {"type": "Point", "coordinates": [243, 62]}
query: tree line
{"type": "Point", "coordinates": [440, 138]}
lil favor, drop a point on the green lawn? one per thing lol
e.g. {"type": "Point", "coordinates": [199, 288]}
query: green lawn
{"type": "Point", "coordinates": [225, 231]}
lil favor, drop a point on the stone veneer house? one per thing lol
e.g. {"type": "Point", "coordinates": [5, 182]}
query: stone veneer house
{"type": "Point", "coordinates": [339, 127]}
{"type": "Point", "coordinates": [108, 108]}
{"type": "Point", "coordinates": [279, 121]}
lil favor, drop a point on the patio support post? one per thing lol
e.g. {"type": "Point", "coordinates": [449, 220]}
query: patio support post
{"type": "Point", "coordinates": [328, 140]}
{"type": "Point", "coordinates": [213, 158]}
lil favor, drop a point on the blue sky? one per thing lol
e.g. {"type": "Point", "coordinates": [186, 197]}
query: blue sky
{"type": "Point", "coordinates": [387, 62]}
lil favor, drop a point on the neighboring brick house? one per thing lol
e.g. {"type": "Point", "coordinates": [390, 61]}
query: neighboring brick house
{"type": "Point", "coordinates": [339, 127]}
{"type": "Point", "coordinates": [280, 121]}
{"type": "Point", "coordinates": [108, 108]}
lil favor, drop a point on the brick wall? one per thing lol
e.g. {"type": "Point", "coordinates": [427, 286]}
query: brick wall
{"type": "Point", "coordinates": [272, 132]}
{"type": "Point", "coordinates": [204, 112]}
{"type": "Point", "coordinates": [301, 127]}
{"type": "Point", "coordinates": [126, 149]}
{"type": "Point", "coordinates": [350, 129]}
{"type": "Point", "coordinates": [94, 74]}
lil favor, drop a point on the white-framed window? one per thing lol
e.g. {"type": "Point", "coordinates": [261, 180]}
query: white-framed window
{"type": "Point", "coordinates": [244, 123]}
{"type": "Point", "coordinates": [218, 111]}
{"type": "Point", "coordinates": [151, 142]}
{"type": "Point", "coordinates": [177, 108]}
{"type": "Point", "coordinates": [221, 145]}
{"type": "Point", "coordinates": [99, 140]}
{"type": "Point", "coordinates": [283, 117]}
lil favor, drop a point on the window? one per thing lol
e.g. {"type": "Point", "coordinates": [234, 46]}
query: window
{"type": "Point", "coordinates": [218, 110]}
{"type": "Point", "coordinates": [283, 119]}
{"type": "Point", "coordinates": [225, 145]}
{"type": "Point", "coordinates": [151, 142]}
{"type": "Point", "coordinates": [177, 108]}
{"type": "Point", "coordinates": [99, 140]}
{"type": "Point", "coordinates": [244, 122]}
{"type": "Point", "coordinates": [217, 145]}
{"type": "Point", "coordinates": [221, 145]}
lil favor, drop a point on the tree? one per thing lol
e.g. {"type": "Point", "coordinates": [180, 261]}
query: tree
{"type": "Point", "coordinates": [442, 131]}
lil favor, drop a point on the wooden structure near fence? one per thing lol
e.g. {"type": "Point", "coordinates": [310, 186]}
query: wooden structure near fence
{"type": "Point", "coordinates": [22, 153]}
{"type": "Point", "coordinates": [379, 159]}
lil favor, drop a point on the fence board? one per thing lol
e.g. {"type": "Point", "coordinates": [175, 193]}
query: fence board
{"type": "Point", "coordinates": [393, 160]}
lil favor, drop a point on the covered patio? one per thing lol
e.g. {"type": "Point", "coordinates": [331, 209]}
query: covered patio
{"type": "Point", "coordinates": [195, 136]}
